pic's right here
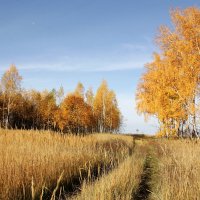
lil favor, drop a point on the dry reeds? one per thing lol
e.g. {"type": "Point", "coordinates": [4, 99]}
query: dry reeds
{"type": "Point", "coordinates": [178, 171]}
{"type": "Point", "coordinates": [32, 161]}
{"type": "Point", "coordinates": [121, 183]}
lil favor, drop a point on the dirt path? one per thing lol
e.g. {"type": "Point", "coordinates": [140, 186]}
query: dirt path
{"type": "Point", "coordinates": [143, 190]}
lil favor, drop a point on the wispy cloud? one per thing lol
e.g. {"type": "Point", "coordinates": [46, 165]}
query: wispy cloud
{"type": "Point", "coordinates": [84, 65]}
{"type": "Point", "coordinates": [136, 47]}
{"type": "Point", "coordinates": [126, 56]}
{"type": "Point", "coordinates": [96, 67]}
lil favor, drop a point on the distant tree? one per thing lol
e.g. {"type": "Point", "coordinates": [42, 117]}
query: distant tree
{"type": "Point", "coordinates": [74, 115]}
{"type": "Point", "coordinates": [47, 108]}
{"type": "Point", "coordinates": [60, 95]}
{"type": "Point", "coordinates": [106, 109]}
{"type": "Point", "coordinates": [78, 112]}
{"type": "Point", "coordinates": [89, 97]}
{"type": "Point", "coordinates": [79, 91]}
{"type": "Point", "coordinates": [10, 87]}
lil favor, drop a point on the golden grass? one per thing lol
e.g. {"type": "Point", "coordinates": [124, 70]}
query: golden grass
{"type": "Point", "coordinates": [178, 171]}
{"type": "Point", "coordinates": [37, 164]}
{"type": "Point", "coordinates": [33, 161]}
{"type": "Point", "coordinates": [119, 184]}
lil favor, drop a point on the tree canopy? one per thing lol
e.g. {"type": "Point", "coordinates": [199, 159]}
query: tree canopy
{"type": "Point", "coordinates": [77, 112]}
{"type": "Point", "coordinates": [169, 89]}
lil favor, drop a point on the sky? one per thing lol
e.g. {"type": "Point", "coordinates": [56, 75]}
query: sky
{"type": "Point", "coordinates": [62, 42]}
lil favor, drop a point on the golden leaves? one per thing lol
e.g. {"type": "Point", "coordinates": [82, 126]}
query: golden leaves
{"type": "Point", "coordinates": [168, 88]}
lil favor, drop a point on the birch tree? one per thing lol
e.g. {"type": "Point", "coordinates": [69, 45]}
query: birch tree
{"type": "Point", "coordinates": [11, 85]}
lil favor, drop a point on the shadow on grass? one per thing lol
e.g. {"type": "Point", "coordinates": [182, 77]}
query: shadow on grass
{"type": "Point", "coordinates": [67, 189]}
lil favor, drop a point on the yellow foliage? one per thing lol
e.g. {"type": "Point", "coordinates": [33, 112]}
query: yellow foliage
{"type": "Point", "coordinates": [169, 87]}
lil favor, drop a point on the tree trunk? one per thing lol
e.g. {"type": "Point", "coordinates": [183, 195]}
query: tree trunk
{"type": "Point", "coordinates": [194, 120]}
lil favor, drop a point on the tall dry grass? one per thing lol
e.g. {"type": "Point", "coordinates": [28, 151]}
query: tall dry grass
{"type": "Point", "coordinates": [122, 183]}
{"type": "Point", "coordinates": [33, 163]}
{"type": "Point", "coordinates": [177, 174]}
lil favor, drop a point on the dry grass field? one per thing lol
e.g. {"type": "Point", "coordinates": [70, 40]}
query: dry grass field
{"type": "Point", "coordinates": [177, 170]}
{"type": "Point", "coordinates": [32, 162]}
{"type": "Point", "coordinates": [47, 165]}
{"type": "Point", "coordinates": [121, 183]}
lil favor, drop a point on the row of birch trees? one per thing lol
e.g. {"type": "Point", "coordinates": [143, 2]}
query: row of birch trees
{"type": "Point", "coordinates": [77, 112]}
{"type": "Point", "coordinates": [169, 89]}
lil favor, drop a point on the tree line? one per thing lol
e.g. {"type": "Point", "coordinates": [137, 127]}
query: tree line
{"type": "Point", "coordinates": [169, 88]}
{"type": "Point", "coordinates": [77, 112]}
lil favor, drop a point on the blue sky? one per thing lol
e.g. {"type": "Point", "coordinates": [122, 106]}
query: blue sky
{"type": "Point", "coordinates": [61, 42]}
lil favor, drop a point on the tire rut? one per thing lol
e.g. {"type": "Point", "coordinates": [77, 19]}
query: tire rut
{"type": "Point", "coordinates": [143, 191]}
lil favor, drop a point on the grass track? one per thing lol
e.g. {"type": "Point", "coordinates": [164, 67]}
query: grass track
{"type": "Point", "coordinates": [143, 189]}
{"type": "Point", "coordinates": [100, 166]}
{"type": "Point", "coordinates": [120, 183]}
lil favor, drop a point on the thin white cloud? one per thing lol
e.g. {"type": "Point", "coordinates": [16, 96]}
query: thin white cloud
{"type": "Point", "coordinates": [96, 66]}
{"type": "Point", "coordinates": [115, 60]}
{"type": "Point", "coordinates": [136, 47]}
{"type": "Point", "coordinates": [120, 66]}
